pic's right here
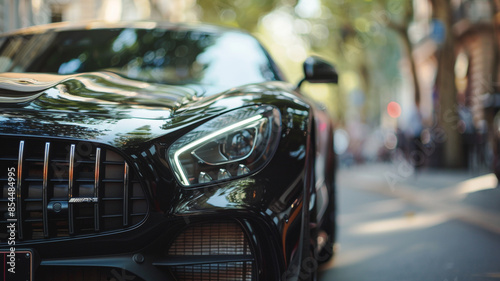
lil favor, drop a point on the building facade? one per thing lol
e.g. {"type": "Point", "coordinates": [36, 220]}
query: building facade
{"type": "Point", "coordinates": [15, 14]}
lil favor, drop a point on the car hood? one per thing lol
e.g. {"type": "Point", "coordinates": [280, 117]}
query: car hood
{"type": "Point", "coordinates": [101, 106]}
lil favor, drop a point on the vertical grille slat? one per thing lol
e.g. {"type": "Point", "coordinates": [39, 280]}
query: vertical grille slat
{"type": "Point", "coordinates": [45, 189]}
{"type": "Point", "coordinates": [71, 179]}
{"type": "Point", "coordinates": [19, 203]}
{"type": "Point", "coordinates": [97, 187]}
{"type": "Point", "coordinates": [66, 188]}
{"type": "Point", "coordinates": [125, 194]}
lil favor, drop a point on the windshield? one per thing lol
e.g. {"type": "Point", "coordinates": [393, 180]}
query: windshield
{"type": "Point", "coordinates": [155, 55]}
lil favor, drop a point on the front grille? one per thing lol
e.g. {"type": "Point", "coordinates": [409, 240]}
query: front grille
{"type": "Point", "coordinates": [213, 251]}
{"type": "Point", "coordinates": [66, 188]}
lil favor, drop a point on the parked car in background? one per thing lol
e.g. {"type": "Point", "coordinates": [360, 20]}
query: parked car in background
{"type": "Point", "coordinates": [159, 151]}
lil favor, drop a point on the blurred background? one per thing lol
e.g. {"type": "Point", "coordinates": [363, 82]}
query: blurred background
{"type": "Point", "coordinates": [418, 79]}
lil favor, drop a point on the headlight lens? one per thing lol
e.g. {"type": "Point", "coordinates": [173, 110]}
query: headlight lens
{"type": "Point", "coordinates": [232, 145]}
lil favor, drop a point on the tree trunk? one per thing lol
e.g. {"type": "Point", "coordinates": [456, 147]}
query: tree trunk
{"type": "Point", "coordinates": [453, 154]}
{"type": "Point", "coordinates": [413, 68]}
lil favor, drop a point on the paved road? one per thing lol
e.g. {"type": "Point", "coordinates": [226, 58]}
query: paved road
{"type": "Point", "coordinates": [412, 230]}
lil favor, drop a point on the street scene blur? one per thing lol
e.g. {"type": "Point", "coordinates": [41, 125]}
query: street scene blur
{"type": "Point", "coordinates": [416, 112]}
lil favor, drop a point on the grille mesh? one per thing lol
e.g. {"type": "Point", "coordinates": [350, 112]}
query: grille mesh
{"type": "Point", "coordinates": [213, 240]}
{"type": "Point", "coordinates": [52, 173]}
{"type": "Point", "coordinates": [231, 271]}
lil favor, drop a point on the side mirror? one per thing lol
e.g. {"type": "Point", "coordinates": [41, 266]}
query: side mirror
{"type": "Point", "coordinates": [317, 70]}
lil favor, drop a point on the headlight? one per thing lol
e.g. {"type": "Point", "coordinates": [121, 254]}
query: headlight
{"type": "Point", "coordinates": [232, 145]}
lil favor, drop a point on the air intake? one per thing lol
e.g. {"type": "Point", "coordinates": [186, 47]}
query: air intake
{"type": "Point", "coordinates": [212, 251]}
{"type": "Point", "coordinates": [66, 188]}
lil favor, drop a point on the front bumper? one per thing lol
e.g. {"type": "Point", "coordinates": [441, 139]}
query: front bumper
{"type": "Point", "coordinates": [191, 248]}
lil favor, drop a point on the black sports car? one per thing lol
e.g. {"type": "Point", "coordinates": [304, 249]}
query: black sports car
{"type": "Point", "coordinates": [152, 151]}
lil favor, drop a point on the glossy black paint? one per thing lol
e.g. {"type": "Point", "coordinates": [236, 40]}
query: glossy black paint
{"type": "Point", "coordinates": [142, 119]}
{"type": "Point", "coordinates": [318, 70]}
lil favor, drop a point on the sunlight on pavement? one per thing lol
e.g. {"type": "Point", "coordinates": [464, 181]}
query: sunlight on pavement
{"type": "Point", "coordinates": [485, 182]}
{"type": "Point", "coordinates": [386, 206]}
{"type": "Point", "coordinates": [407, 223]}
{"type": "Point", "coordinates": [373, 209]}
{"type": "Point", "coordinates": [426, 226]}
{"type": "Point", "coordinates": [447, 200]}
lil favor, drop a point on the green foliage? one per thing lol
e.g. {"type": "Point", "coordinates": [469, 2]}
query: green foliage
{"type": "Point", "coordinates": [357, 35]}
{"type": "Point", "coordinates": [243, 14]}
{"type": "Point", "coordinates": [363, 35]}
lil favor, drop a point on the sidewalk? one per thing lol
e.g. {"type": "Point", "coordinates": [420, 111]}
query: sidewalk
{"type": "Point", "coordinates": [462, 195]}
